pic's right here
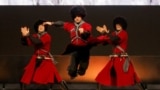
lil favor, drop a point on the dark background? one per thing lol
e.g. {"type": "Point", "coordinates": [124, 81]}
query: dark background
{"type": "Point", "coordinates": [143, 30]}
{"type": "Point", "coordinates": [143, 27]}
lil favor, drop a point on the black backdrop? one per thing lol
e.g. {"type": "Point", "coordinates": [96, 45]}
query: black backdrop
{"type": "Point", "coordinates": [143, 27]}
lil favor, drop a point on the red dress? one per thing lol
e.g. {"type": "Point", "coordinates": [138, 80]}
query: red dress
{"type": "Point", "coordinates": [117, 77]}
{"type": "Point", "coordinates": [46, 72]}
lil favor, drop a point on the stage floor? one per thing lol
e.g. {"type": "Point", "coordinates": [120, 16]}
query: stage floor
{"type": "Point", "coordinates": [75, 86]}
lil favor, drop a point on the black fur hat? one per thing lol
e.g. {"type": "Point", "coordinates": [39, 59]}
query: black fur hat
{"type": "Point", "coordinates": [121, 21]}
{"type": "Point", "coordinates": [78, 11]}
{"type": "Point", "coordinates": [37, 23]}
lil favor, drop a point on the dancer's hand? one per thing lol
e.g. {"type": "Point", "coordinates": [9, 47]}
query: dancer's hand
{"type": "Point", "coordinates": [105, 29]}
{"type": "Point", "coordinates": [102, 29]}
{"type": "Point", "coordinates": [99, 29]}
{"type": "Point", "coordinates": [81, 30]}
{"type": "Point", "coordinates": [25, 31]}
{"type": "Point", "coordinates": [48, 23]}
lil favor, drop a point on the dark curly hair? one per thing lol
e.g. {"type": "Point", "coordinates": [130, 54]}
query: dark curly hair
{"type": "Point", "coordinates": [78, 11]}
{"type": "Point", "coordinates": [121, 21]}
{"type": "Point", "coordinates": [39, 22]}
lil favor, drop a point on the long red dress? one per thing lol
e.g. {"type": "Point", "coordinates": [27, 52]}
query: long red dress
{"type": "Point", "coordinates": [46, 72]}
{"type": "Point", "coordinates": [112, 74]}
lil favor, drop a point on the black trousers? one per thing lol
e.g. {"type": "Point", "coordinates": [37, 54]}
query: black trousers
{"type": "Point", "coordinates": [79, 62]}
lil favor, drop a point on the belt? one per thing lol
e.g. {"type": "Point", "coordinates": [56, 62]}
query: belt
{"type": "Point", "coordinates": [126, 62]}
{"type": "Point", "coordinates": [118, 55]}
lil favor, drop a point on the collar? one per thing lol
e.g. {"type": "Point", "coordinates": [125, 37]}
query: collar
{"type": "Point", "coordinates": [78, 24]}
{"type": "Point", "coordinates": [41, 34]}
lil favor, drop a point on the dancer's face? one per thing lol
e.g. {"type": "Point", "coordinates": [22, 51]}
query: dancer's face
{"type": "Point", "coordinates": [41, 28]}
{"type": "Point", "coordinates": [77, 19]}
{"type": "Point", "coordinates": [118, 27]}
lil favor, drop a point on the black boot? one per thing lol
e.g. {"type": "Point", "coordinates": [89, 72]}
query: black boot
{"type": "Point", "coordinates": [64, 85]}
{"type": "Point", "coordinates": [23, 86]}
{"type": "Point", "coordinates": [98, 86]}
{"type": "Point", "coordinates": [72, 74]}
{"type": "Point", "coordinates": [50, 87]}
{"type": "Point", "coordinates": [3, 86]}
{"type": "Point", "coordinates": [81, 72]}
{"type": "Point", "coordinates": [143, 86]}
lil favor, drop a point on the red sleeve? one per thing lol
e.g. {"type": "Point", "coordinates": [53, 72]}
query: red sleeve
{"type": "Point", "coordinates": [29, 42]}
{"type": "Point", "coordinates": [67, 26]}
{"type": "Point", "coordinates": [87, 27]}
{"type": "Point", "coordinates": [102, 39]}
